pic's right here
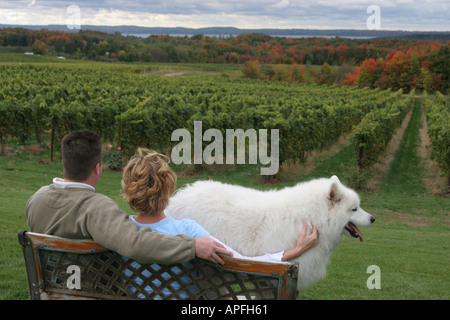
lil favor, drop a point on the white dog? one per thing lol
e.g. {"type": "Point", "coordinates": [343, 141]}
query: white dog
{"type": "Point", "coordinates": [256, 222]}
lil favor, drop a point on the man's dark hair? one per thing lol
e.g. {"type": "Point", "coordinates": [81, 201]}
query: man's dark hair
{"type": "Point", "coordinates": [81, 151]}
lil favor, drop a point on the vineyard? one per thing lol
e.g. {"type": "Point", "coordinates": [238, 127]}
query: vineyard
{"type": "Point", "coordinates": [134, 105]}
{"type": "Point", "coordinates": [131, 107]}
{"type": "Point", "coordinates": [438, 117]}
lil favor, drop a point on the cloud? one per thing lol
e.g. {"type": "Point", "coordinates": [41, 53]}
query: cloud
{"type": "Point", "coordinates": [321, 14]}
{"type": "Point", "coordinates": [282, 4]}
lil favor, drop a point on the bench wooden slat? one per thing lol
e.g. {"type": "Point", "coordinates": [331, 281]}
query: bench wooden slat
{"type": "Point", "coordinates": [107, 275]}
{"type": "Point", "coordinates": [62, 243]}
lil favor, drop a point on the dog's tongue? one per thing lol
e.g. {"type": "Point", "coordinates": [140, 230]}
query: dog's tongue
{"type": "Point", "coordinates": [352, 227]}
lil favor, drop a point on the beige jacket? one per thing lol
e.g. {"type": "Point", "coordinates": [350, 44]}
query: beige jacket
{"type": "Point", "coordinates": [78, 213]}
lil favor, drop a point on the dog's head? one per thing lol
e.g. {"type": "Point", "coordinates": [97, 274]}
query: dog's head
{"type": "Point", "coordinates": [346, 202]}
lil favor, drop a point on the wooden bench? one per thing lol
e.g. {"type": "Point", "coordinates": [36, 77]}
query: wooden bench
{"type": "Point", "coordinates": [60, 268]}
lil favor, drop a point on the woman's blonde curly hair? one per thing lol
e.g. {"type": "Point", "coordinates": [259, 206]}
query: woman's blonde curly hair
{"type": "Point", "coordinates": [148, 182]}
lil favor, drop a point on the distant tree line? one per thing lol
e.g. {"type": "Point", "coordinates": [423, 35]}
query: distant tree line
{"type": "Point", "coordinates": [421, 68]}
{"type": "Point", "coordinates": [380, 62]}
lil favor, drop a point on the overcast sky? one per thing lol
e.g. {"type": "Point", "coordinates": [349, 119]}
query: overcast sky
{"type": "Point", "coordinates": [411, 15]}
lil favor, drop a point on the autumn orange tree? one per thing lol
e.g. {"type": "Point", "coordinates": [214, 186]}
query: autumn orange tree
{"type": "Point", "coordinates": [251, 70]}
{"type": "Point", "coordinates": [326, 74]}
{"type": "Point", "coordinates": [39, 48]}
{"type": "Point", "coordinates": [422, 67]}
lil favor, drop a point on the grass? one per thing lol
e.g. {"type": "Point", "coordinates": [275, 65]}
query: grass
{"type": "Point", "coordinates": [412, 260]}
{"type": "Point", "coordinates": [409, 240]}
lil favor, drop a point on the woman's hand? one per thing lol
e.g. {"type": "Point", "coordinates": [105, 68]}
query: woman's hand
{"type": "Point", "coordinates": [304, 243]}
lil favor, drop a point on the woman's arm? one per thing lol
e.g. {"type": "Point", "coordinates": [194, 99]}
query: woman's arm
{"type": "Point", "coordinates": [304, 243]}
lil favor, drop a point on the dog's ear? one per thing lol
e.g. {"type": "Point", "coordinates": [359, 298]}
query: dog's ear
{"type": "Point", "coordinates": [333, 193]}
{"type": "Point", "coordinates": [335, 179]}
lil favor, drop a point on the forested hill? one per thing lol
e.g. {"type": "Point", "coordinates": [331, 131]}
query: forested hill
{"type": "Point", "coordinates": [397, 63]}
{"type": "Point", "coordinates": [100, 45]}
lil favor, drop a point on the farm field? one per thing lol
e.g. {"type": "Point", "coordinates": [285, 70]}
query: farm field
{"type": "Point", "coordinates": [135, 104]}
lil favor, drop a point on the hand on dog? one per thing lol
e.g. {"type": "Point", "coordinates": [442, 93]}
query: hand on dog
{"type": "Point", "coordinates": [304, 243]}
{"type": "Point", "coordinates": [208, 249]}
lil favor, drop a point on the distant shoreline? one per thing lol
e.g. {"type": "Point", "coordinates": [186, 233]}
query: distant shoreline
{"type": "Point", "coordinates": [145, 35]}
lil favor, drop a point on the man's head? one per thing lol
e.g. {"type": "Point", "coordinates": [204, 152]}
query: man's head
{"type": "Point", "coordinates": [81, 152]}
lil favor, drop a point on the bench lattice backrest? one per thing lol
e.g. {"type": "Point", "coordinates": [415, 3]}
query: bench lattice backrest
{"type": "Point", "coordinates": [61, 268]}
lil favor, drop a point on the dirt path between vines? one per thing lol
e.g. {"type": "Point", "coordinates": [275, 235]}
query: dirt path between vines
{"type": "Point", "coordinates": [381, 167]}
{"type": "Point", "coordinates": [176, 74]}
{"type": "Point", "coordinates": [432, 179]}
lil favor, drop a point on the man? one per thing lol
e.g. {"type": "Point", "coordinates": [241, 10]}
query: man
{"type": "Point", "coordinates": [70, 208]}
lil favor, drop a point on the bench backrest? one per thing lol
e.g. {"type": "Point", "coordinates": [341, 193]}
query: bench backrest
{"type": "Point", "coordinates": [60, 268]}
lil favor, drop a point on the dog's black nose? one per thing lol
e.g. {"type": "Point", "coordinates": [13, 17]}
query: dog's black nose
{"type": "Point", "coordinates": [372, 219]}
